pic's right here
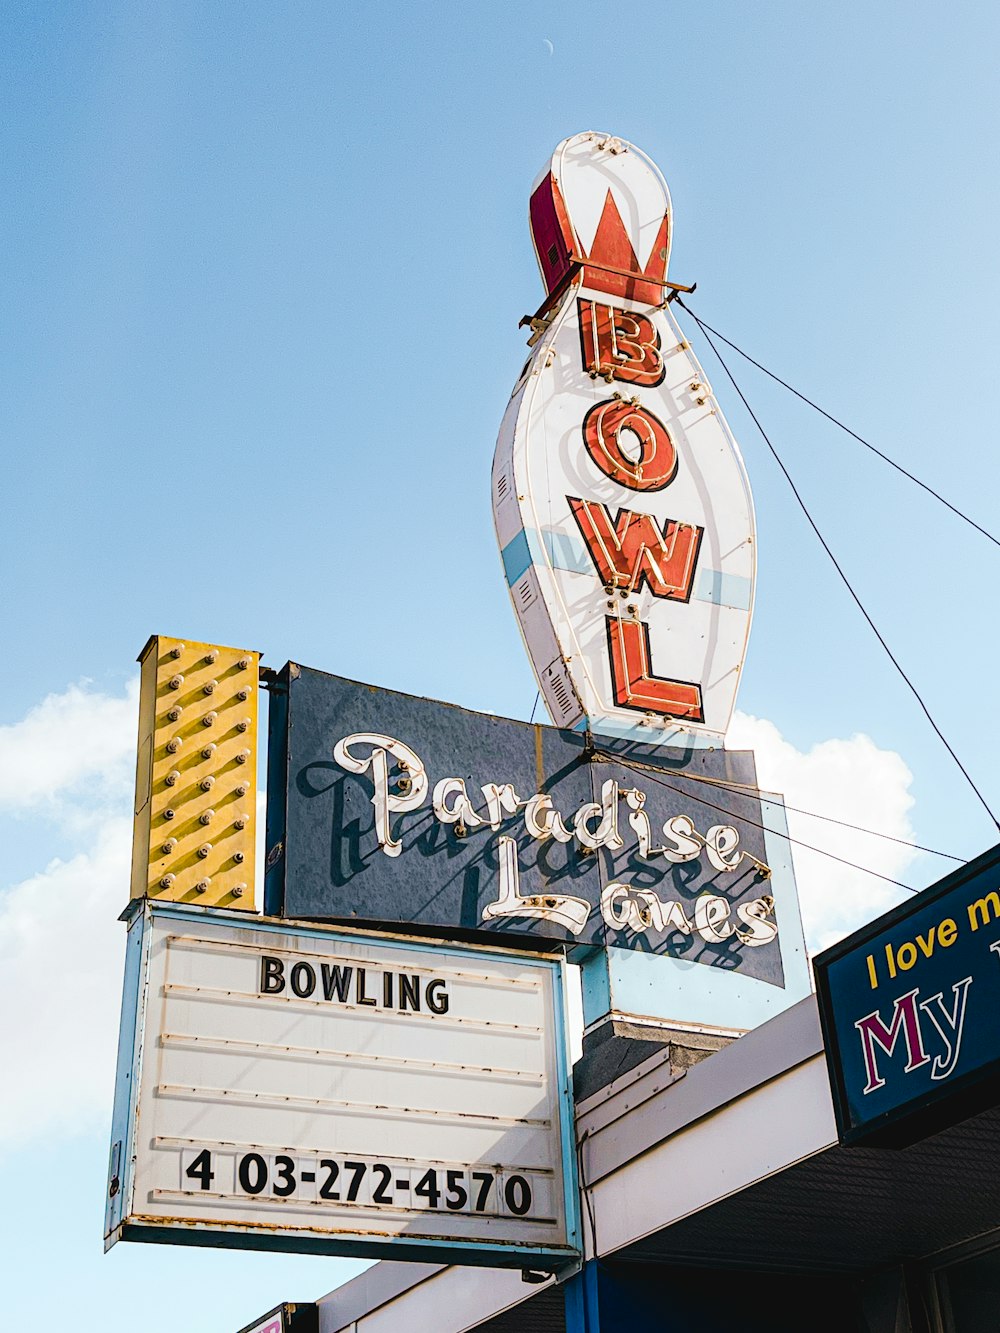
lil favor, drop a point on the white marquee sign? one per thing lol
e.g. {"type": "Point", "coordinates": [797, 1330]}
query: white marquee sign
{"type": "Point", "coordinates": [621, 503]}
{"type": "Point", "coordinates": [312, 1089]}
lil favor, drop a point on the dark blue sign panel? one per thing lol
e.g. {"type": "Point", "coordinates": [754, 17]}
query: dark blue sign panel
{"type": "Point", "coordinates": [286, 1318]}
{"type": "Point", "coordinates": [909, 1008]}
{"type": "Point", "coordinates": [385, 808]}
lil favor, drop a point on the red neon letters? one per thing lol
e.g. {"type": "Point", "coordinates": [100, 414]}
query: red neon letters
{"type": "Point", "coordinates": [647, 461]}
{"type": "Point", "coordinates": [634, 684]}
{"type": "Point", "coordinates": [620, 345]}
{"type": "Point", "coordinates": [630, 550]}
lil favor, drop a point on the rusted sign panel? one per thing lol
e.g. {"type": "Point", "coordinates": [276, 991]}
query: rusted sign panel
{"type": "Point", "coordinates": [327, 1091]}
{"type": "Point", "coordinates": [383, 807]}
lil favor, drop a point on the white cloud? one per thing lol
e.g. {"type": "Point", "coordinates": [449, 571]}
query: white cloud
{"type": "Point", "coordinates": [850, 780]}
{"type": "Point", "coordinates": [61, 958]}
{"type": "Point", "coordinates": [70, 762]}
{"type": "Point", "coordinates": [68, 741]}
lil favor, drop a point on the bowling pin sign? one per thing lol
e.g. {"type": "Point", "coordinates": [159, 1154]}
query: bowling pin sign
{"type": "Point", "coordinates": [622, 507]}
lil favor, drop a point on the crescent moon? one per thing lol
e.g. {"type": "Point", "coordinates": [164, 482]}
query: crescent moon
{"type": "Point", "coordinates": [549, 45]}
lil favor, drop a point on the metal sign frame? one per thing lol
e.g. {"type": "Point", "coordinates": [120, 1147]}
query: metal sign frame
{"type": "Point", "coordinates": [494, 1235]}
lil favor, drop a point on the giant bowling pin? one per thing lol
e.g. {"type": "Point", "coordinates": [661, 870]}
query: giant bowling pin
{"type": "Point", "coordinates": [621, 502]}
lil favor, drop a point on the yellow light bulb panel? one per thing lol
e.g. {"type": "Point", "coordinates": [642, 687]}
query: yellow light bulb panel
{"type": "Point", "coordinates": [194, 836]}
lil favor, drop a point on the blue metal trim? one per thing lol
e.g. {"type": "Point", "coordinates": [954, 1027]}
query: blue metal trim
{"type": "Point", "coordinates": [582, 1307]}
{"type": "Point", "coordinates": [567, 1120]}
{"type": "Point", "coordinates": [516, 557]}
{"type": "Point", "coordinates": [566, 551]}
{"type": "Point", "coordinates": [639, 731]}
{"type": "Point", "coordinates": [734, 590]}
{"type": "Point", "coordinates": [596, 984]}
{"type": "Point", "coordinates": [561, 550]}
{"type": "Point", "coordinates": [127, 1075]}
{"type": "Point", "coordinates": [277, 794]}
{"type": "Point", "coordinates": [788, 912]}
{"type": "Point", "coordinates": [396, 1249]}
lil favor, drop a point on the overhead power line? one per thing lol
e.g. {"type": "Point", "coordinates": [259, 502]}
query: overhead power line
{"type": "Point", "coordinates": [707, 328]}
{"type": "Point", "coordinates": [837, 566]}
{"type": "Point", "coordinates": [607, 757]}
{"type": "Point", "coordinates": [742, 788]}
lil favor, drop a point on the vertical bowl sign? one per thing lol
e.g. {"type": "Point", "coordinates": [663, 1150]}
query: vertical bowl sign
{"type": "Point", "coordinates": [621, 504]}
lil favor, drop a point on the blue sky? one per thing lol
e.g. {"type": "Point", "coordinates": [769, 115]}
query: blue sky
{"type": "Point", "coordinates": [264, 268]}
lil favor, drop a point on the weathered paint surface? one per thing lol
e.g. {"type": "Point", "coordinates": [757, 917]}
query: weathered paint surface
{"type": "Point", "coordinates": [303, 1088]}
{"type": "Point", "coordinates": [194, 836]}
{"type": "Point", "coordinates": [621, 504]}
{"type": "Point", "coordinates": [490, 825]}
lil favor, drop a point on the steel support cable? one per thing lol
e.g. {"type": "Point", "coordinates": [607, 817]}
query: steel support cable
{"type": "Point", "coordinates": [707, 329]}
{"type": "Point", "coordinates": [744, 789]}
{"type": "Point", "coordinates": [845, 580]}
{"type": "Point", "coordinates": [605, 757]}
{"type": "Point", "coordinates": [585, 1189]}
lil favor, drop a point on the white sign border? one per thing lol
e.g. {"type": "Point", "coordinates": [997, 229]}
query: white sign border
{"type": "Point", "coordinates": [121, 1183]}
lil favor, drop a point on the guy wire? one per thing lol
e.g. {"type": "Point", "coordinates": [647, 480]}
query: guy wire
{"type": "Point", "coordinates": [707, 328]}
{"type": "Point", "coordinates": [797, 842]}
{"type": "Point", "coordinates": [741, 787]}
{"type": "Point", "coordinates": [836, 564]}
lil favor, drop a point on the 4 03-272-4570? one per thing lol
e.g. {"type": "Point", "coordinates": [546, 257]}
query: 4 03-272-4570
{"type": "Point", "coordinates": [362, 1182]}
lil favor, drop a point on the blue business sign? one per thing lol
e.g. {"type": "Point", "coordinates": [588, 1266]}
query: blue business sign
{"type": "Point", "coordinates": [385, 808]}
{"type": "Point", "coordinates": [909, 1008]}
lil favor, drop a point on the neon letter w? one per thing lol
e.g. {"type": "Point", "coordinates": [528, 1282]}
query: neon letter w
{"type": "Point", "coordinates": [630, 549]}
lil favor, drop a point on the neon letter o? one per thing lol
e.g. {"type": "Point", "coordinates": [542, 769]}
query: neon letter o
{"type": "Point", "coordinates": [656, 465]}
